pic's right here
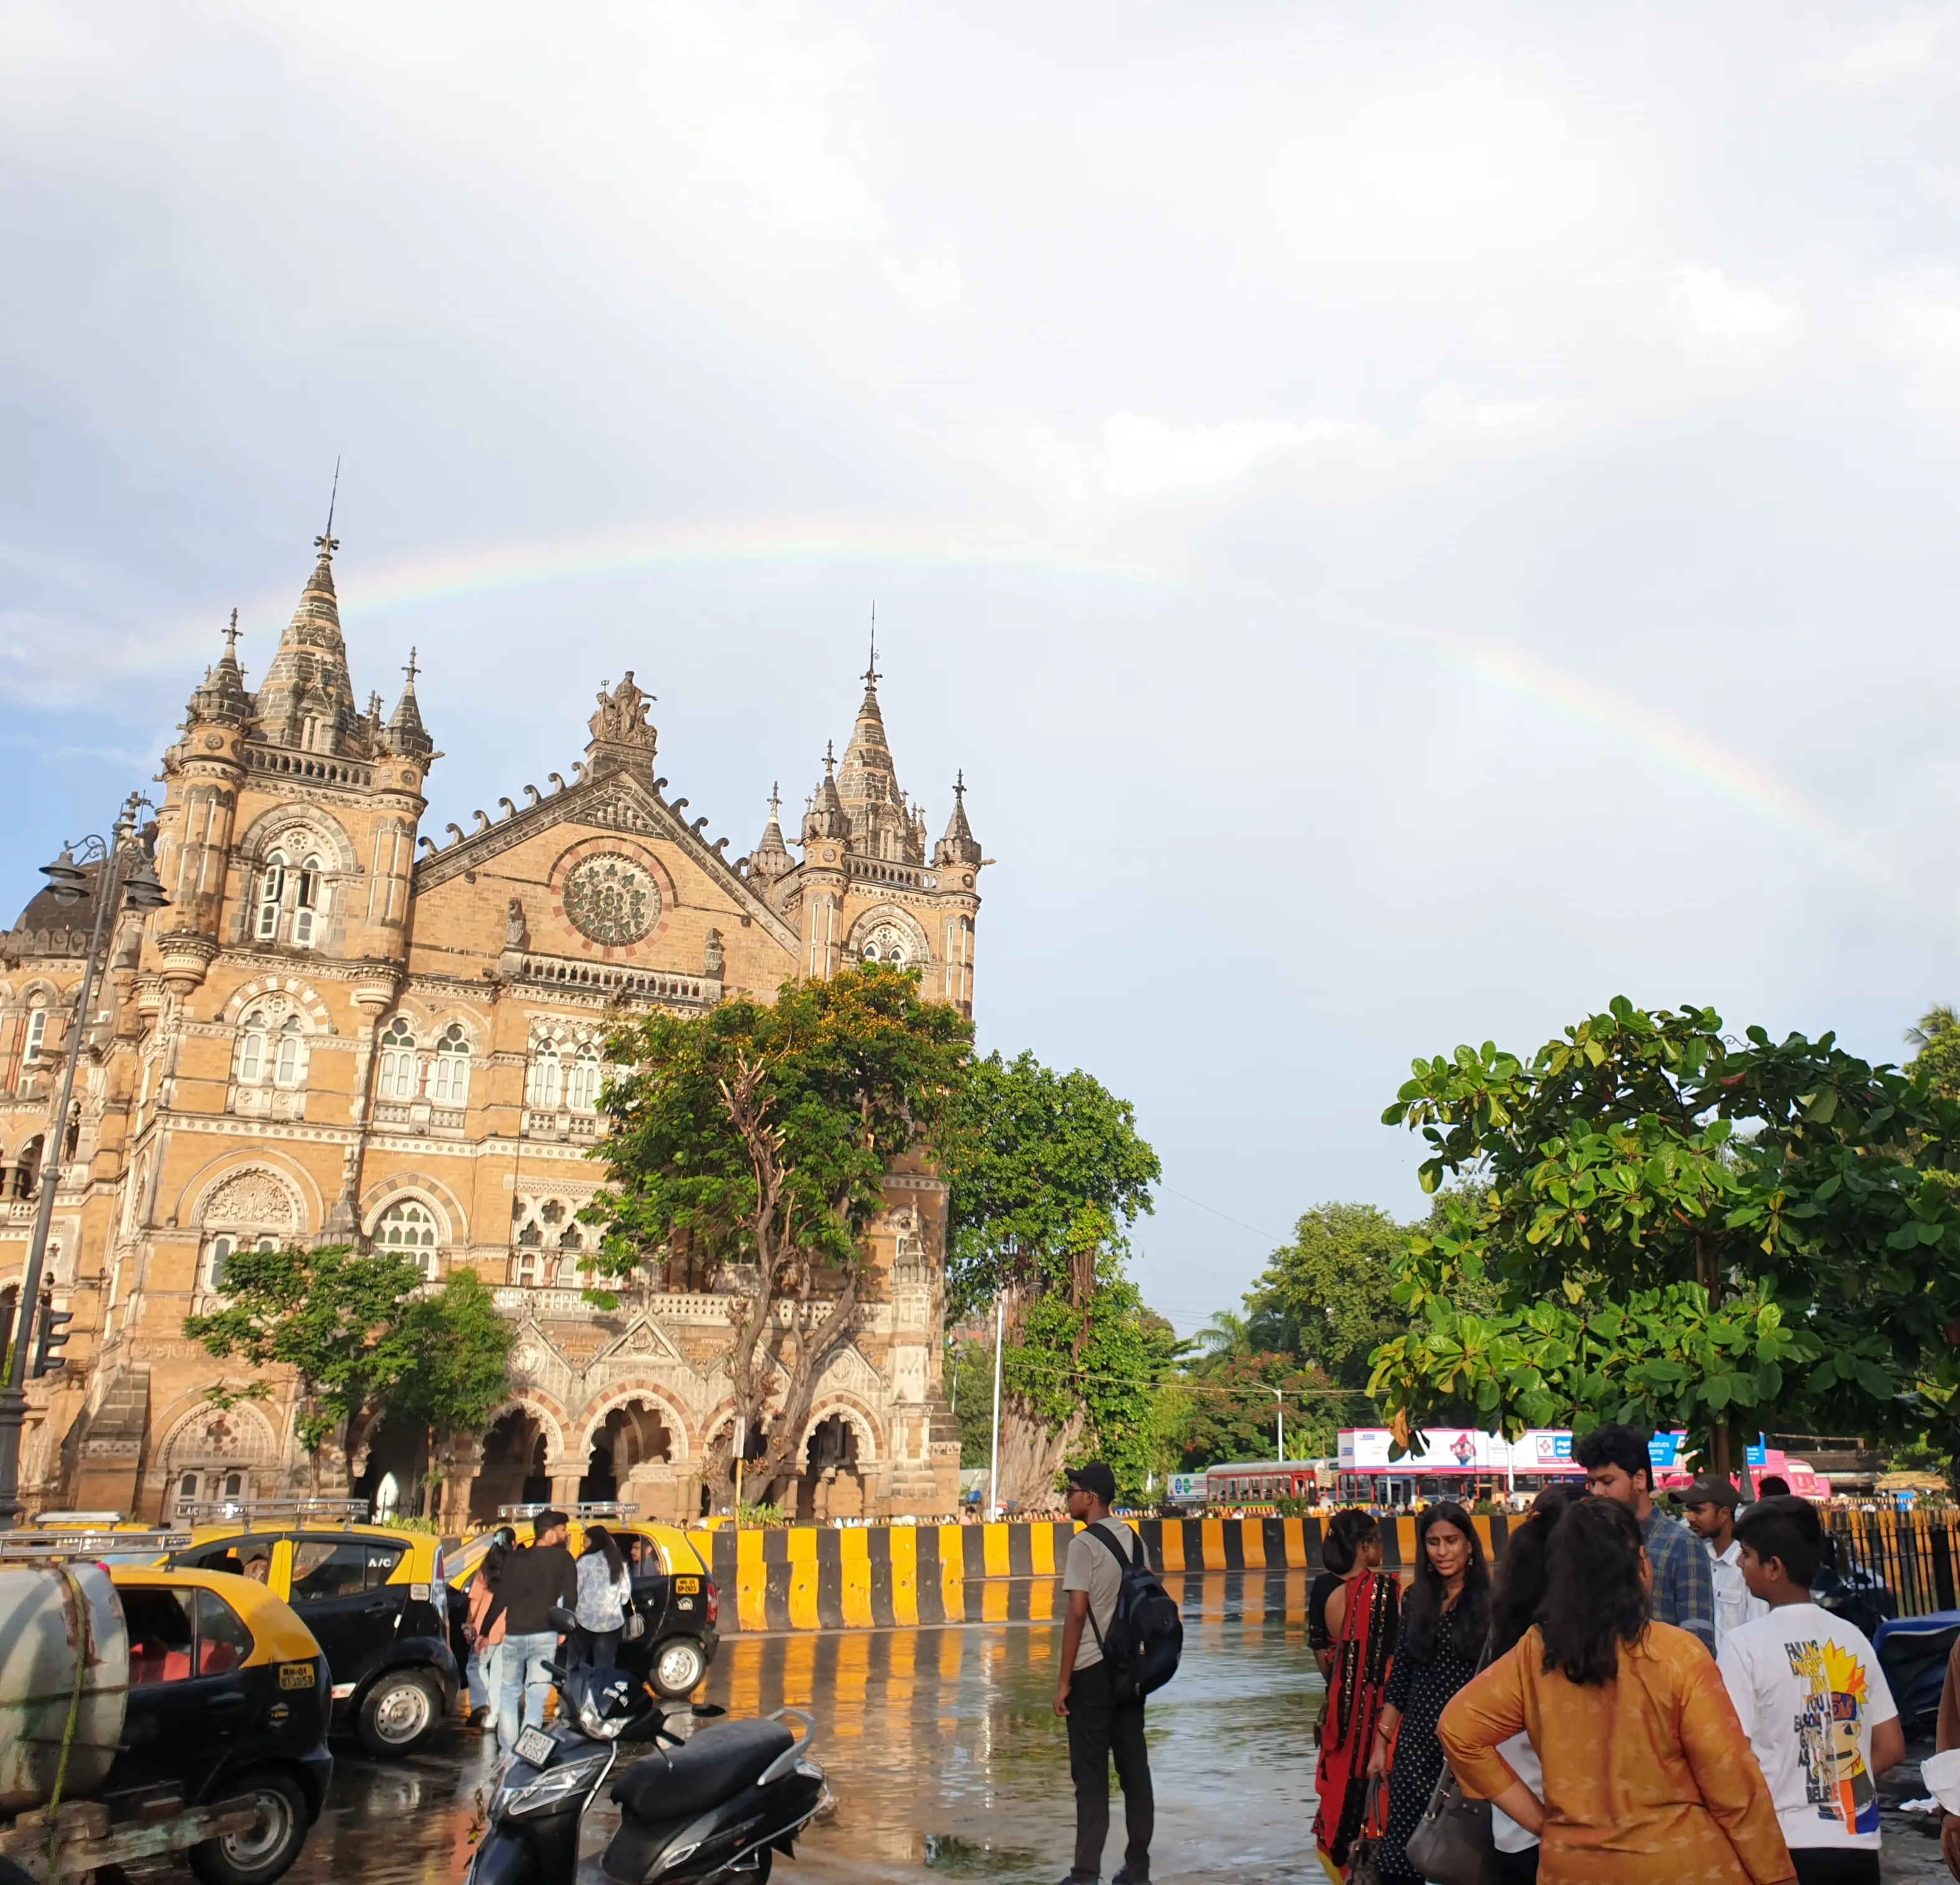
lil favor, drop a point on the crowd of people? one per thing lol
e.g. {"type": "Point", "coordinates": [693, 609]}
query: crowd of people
{"type": "Point", "coordinates": [1638, 1699]}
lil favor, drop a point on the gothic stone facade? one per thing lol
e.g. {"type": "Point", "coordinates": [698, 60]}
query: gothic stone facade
{"type": "Point", "coordinates": [326, 1038]}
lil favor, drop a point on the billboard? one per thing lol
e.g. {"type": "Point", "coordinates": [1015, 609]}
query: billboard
{"type": "Point", "coordinates": [1458, 1450]}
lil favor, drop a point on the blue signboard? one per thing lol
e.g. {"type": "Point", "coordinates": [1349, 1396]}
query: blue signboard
{"type": "Point", "coordinates": [1664, 1449]}
{"type": "Point", "coordinates": [1759, 1454]}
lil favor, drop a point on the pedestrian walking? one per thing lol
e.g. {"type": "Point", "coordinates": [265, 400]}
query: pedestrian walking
{"type": "Point", "coordinates": [483, 1628]}
{"type": "Point", "coordinates": [1619, 1466]}
{"type": "Point", "coordinates": [1812, 1699]}
{"type": "Point", "coordinates": [1708, 1508]}
{"type": "Point", "coordinates": [1439, 1642]}
{"type": "Point", "coordinates": [605, 1600]}
{"type": "Point", "coordinates": [1522, 1580]}
{"type": "Point", "coordinates": [1360, 1623]}
{"type": "Point", "coordinates": [1648, 1777]}
{"type": "Point", "coordinates": [534, 1581]}
{"type": "Point", "coordinates": [1098, 1727]}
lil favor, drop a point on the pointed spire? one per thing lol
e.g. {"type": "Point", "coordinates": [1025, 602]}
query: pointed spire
{"type": "Point", "coordinates": [827, 817]}
{"type": "Point", "coordinates": [771, 857]}
{"type": "Point", "coordinates": [868, 783]}
{"type": "Point", "coordinates": [222, 697]}
{"type": "Point", "coordinates": [406, 734]}
{"type": "Point", "coordinates": [307, 697]}
{"type": "Point", "coordinates": [958, 845]}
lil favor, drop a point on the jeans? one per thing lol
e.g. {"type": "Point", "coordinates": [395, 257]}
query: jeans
{"type": "Point", "coordinates": [475, 1673]}
{"type": "Point", "coordinates": [1834, 1865]}
{"type": "Point", "coordinates": [522, 1681]}
{"type": "Point", "coordinates": [1098, 1729]}
{"type": "Point", "coordinates": [596, 1649]}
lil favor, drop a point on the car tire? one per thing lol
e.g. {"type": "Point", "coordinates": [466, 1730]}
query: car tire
{"type": "Point", "coordinates": [679, 1663]}
{"type": "Point", "coordinates": [399, 1711]}
{"type": "Point", "coordinates": [268, 1849]}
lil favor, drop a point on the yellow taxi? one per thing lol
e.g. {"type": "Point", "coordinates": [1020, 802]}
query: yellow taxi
{"type": "Point", "coordinates": [377, 1598]}
{"type": "Point", "coordinates": [228, 1701]}
{"type": "Point", "coordinates": [672, 1592]}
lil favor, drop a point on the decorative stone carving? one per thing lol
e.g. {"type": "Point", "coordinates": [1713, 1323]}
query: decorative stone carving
{"type": "Point", "coordinates": [712, 956]}
{"type": "Point", "coordinates": [622, 718]}
{"type": "Point", "coordinates": [611, 898]}
{"type": "Point", "coordinates": [253, 1198]}
{"type": "Point", "coordinates": [516, 931]}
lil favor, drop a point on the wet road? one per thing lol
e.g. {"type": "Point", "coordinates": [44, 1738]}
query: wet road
{"type": "Point", "coordinates": [947, 1761]}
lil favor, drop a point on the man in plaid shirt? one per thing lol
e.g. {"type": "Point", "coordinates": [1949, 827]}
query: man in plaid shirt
{"type": "Point", "coordinates": [1618, 1467]}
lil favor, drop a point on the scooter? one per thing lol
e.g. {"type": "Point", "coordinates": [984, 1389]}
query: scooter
{"type": "Point", "coordinates": [719, 1803]}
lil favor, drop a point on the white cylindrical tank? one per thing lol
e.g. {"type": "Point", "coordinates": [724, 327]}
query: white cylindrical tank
{"type": "Point", "coordinates": [43, 1629]}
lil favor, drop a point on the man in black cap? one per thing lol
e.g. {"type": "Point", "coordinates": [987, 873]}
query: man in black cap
{"type": "Point", "coordinates": [1093, 1579]}
{"type": "Point", "coordinates": [1709, 1506]}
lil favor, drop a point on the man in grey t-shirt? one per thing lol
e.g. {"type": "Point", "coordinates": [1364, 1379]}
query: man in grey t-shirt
{"type": "Point", "coordinates": [1091, 1579]}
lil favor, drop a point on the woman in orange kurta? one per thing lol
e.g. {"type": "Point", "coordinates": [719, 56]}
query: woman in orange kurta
{"type": "Point", "coordinates": [1648, 1775]}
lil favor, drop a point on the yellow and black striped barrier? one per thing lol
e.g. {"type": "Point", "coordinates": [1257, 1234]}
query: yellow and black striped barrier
{"type": "Point", "coordinates": [821, 1578]}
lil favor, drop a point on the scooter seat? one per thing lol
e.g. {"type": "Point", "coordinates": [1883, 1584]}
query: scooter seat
{"type": "Point", "coordinates": [713, 1765]}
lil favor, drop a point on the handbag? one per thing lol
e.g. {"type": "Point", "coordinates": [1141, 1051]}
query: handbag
{"type": "Point", "coordinates": [635, 1627]}
{"type": "Point", "coordinates": [1364, 1862]}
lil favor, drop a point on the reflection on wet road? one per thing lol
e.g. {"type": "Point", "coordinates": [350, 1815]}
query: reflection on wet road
{"type": "Point", "coordinates": [945, 1755]}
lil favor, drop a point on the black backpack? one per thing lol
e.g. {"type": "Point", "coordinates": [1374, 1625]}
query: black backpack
{"type": "Point", "coordinates": [1145, 1634]}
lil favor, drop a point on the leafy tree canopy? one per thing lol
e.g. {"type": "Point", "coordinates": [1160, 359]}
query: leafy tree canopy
{"type": "Point", "coordinates": [1232, 1411]}
{"type": "Point", "coordinates": [334, 1317]}
{"type": "Point", "coordinates": [1681, 1228]}
{"type": "Point", "coordinates": [460, 1346]}
{"type": "Point", "coordinates": [1328, 1296]}
{"type": "Point", "coordinates": [1044, 1168]}
{"type": "Point", "coordinates": [1937, 1035]}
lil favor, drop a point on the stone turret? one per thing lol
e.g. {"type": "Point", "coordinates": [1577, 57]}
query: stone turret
{"type": "Point", "coordinates": [407, 737]}
{"type": "Point", "coordinates": [959, 846]}
{"type": "Point", "coordinates": [306, 700]}
{"type": "Point", "coordinates": [771, 858]}
{"type": "Point", "coordinates": [867, 784]}
{"type": "Point", "coordinates": [222, 700]}
{"type": "Point", "coordinates": [826, 819]}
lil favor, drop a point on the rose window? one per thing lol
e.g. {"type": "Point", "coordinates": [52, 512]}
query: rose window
{"type": "Point", "coordinates": [612, 900]}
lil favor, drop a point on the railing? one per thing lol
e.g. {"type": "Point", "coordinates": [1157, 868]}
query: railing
{"type": "Point", "coordinates": [304, 765]}
{"type": "Point", "coordinates": [563, 1125]}
{"type": "Point", "coordinates": [1912, 1554]}
{"type": "Point", "coordinates": [877, 871]}
{"type": "Point", "coordinates": [604, 978]}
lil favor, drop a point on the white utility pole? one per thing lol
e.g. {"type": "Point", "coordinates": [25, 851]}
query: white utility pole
{"type": "Point", "coordinates": [994, 1471]}
{"type": "Point", "coordinates": [1279, 1421]}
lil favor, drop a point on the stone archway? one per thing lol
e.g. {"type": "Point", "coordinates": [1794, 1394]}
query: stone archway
{"type": "Point", "coordinates": [216, 1455]}
{"type": "Point", "coordinates": [831, 1484]}
{"type": "Point", "coordinates": [514, 1467]}
{"type": "Point", "coordinates": [632, 1435]}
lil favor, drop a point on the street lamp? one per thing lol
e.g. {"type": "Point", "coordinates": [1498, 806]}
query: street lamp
{"type": "Point", "coordinates": [126, 879]}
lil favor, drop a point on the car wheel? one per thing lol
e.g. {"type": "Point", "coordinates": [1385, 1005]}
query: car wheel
{"type": "Point", "coordinates": [678, 1666]}
{"type": "Point", "coordinates": [269, 1846]}
{"type": "Point", "coordinates": [398, 1711]}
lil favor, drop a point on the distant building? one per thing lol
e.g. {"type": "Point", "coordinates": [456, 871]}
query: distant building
{"type": "Point", "coordinates": [326, 1038]}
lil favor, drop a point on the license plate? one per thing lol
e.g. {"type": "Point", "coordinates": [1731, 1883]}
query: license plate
{"type": "Point", "coordinates": [296, 1675]}
{"type": "Point", "coordinates": [689, 1585]}
{"type": "Point", "coordinates": [534, 1745]}
{"type": "Point", "coordinates": [419, 1593]}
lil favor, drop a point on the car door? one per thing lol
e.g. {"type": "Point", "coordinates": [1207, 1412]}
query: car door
{"type": "Point", "coordinates": [339, 1588]}
{"type": "Point", "coordinates": [190, 1702]}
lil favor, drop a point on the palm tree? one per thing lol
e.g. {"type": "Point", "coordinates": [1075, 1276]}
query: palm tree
{"type": "Point", "coordinates": [1938, 1021]}
{"type": "Point", "coordinates": [1225, 1337]}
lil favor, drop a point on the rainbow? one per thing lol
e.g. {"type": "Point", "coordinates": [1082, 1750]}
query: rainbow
{"type": "Point", "coordinates": [1733, 777]}
{"type": "Point", "coordinates": [448, 575]}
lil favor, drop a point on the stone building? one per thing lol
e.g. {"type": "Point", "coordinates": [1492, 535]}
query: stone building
{"type": "Point", "coordinates": [326, 1037]}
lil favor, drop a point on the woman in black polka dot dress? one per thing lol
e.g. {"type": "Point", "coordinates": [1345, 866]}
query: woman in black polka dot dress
{"type": "Point", "coordinates": [1445, 1619]}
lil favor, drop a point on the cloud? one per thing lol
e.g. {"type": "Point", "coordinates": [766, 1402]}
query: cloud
{"type": "Point", "coordinates": [1709, 308]}
{"type": "Point", "coordinates": [930, 285]}
{"type": "Point", "coordinates": [1900, 48]}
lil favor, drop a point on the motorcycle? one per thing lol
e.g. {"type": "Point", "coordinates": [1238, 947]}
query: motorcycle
{"type": "Point", "coordinates": [717, 1804]}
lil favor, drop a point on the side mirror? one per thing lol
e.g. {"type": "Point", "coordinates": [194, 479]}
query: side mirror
{"type": "Point", "coordinates": [561, 1619]}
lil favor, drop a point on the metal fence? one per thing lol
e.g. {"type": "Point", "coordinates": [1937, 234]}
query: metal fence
{"type": "Point", "coordinates": [1912, 1554]}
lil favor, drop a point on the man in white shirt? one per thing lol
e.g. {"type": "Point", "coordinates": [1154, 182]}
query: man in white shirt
{"type": "Point", "coordinates": [1812, 1700]}
{"type": "Point", "coordinates": [1710, 1509]}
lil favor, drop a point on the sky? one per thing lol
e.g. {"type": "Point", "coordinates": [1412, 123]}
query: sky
{"type": "Point", "coordinates": [1413, 521]}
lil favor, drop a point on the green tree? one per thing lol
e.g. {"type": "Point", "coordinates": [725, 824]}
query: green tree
{"type": "Point", "coordinates": [1233, 1410]}
{"type": "Point", "coordinates": [461, 1349]}
{"type": "Point", "coordinates": [1225, 1335]}
{"type": "Point", "coordinates": [1937, 1035]}
{"type": "Point", "coordinates": [335, 1317]}
{"type": "Point", "coordinates": [1048, 1172]}
{"type": "Point", "coordinates": [1328, 1296]}
{"type": "Point", "coordinates": [755, 1138]}
{"type": "Point", "coordinates": [1680, 1229]}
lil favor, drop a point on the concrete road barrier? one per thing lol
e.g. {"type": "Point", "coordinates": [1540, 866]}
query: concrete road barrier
{"type": "Point", "coordinates": [821, 1578]}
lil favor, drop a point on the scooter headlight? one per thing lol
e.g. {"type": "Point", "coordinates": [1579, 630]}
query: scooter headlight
{"type": "Point", "coordinates": [555, 1785]}
{"type": "Point", "coordinates": [603, 1712]}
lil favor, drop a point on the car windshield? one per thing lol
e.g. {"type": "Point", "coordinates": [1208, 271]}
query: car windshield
{"type": "Point", "coordinates": [340, 1568]}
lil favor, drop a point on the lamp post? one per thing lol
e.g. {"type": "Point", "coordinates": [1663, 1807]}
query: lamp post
{"type": "Point", "coordinates": [1279, 1424]}
{"type": "Point", "coordinates": [124, 879]}
{"type": "Point", "coordinates": [993, 1469]}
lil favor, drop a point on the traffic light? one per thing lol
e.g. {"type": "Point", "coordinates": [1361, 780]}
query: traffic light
{"type": "Point", "coordinates": [51, 1337]}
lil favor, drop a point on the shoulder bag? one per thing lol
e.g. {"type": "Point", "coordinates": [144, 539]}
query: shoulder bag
{"type": "Point", "coordinates": [1364, 1856]}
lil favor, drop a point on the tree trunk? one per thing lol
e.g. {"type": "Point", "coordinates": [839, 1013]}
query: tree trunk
{"type": "Point", "coordinates": [1032, 1454]}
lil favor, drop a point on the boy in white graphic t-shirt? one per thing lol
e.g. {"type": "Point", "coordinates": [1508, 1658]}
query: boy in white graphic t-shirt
{"type": "Point", "coordinates": [1812, 1700]}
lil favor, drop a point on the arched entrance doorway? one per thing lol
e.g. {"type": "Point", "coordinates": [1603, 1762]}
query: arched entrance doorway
{"type": "Point", "coordinates": [513, 1473]}
{"type": "Point", "coordinates": [830, 1486]}
{"type": "Point", "coordinates": [629, 1437]}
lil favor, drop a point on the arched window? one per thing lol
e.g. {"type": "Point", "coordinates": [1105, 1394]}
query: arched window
{"type": "Point", "coordinates": [408, 1228]}
{"type": "Point", "coordinates": [547, 1081]}
{"type": "Point", "coordinates": [251, 1049]}
{"type": "Point", "coordinates": [288, 1069]}
{"type": "Point", "coordinates": [311, 903]}
{"type": "Point", "coordinates": [527, 1269]}
{"type": "Point", "coordinates": [449, 1071]}
{"type": "Point", "coordinates": [581, 1085]}
{"type": "Point", "coordinates": [272, 890]}
{"type": "Point", "coordinates": [37, 1033]}
{"type": "Point", "coordinates": [24, 1180]}
{"type": "Point", "coordinates": [398, 1080]}
{"type": "Point", "coordinates": [220, 1251]}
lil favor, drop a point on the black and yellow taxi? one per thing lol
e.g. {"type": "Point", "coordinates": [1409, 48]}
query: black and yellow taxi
{"type": "Point", "coordinates": [673, 1596]}
{"type": "Point", "coordinates": [376, 1597]}
{"type": "Point", "coordinates": [228, 1701]}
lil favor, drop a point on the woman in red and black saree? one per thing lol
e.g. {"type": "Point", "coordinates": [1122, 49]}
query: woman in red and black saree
{"type": "Point", "coordinates": [1361, 1624]}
